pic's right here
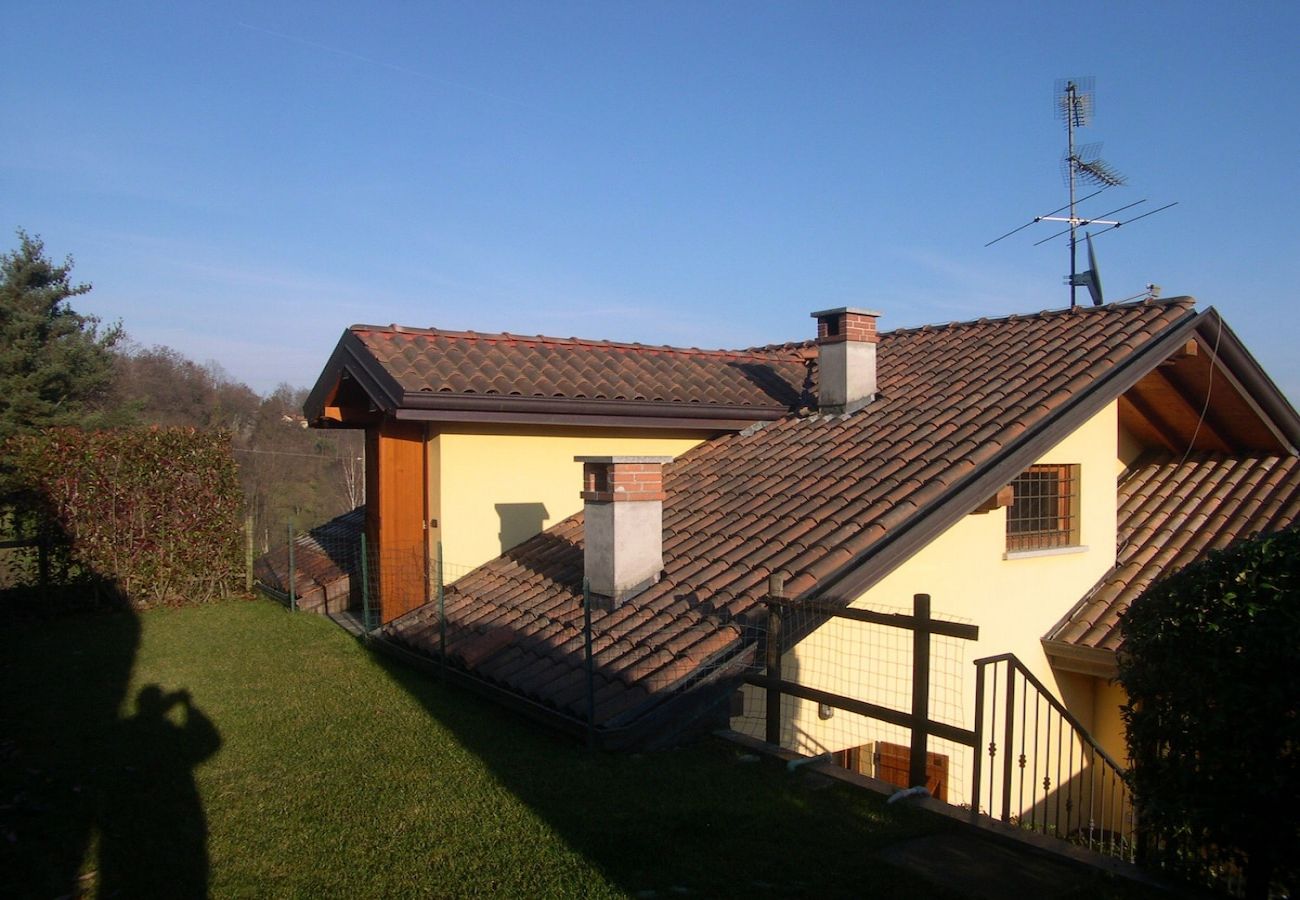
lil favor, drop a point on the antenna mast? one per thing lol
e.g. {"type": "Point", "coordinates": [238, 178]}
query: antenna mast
{"type": "Point", "coordinates": [1074, 104]}
{"type": "Point", "coordinates": [1081, 165]}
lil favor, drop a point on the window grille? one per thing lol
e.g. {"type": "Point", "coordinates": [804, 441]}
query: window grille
{"type": "Point", "coordinates": [1045, 511]}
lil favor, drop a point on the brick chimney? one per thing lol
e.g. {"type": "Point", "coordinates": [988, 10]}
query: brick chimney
{"type": "Point", "coordinates": [624, 524]}
{"type": "Point", "coordinates": [846, 358]}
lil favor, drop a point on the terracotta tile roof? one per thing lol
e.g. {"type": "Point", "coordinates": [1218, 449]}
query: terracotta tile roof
{"type": "Point", "coordinates": [813, 496]}
{"type": "Point", "coordinates": [1172, 513]}
{"type": "Point", "coordinates": [324, 561]}
{"type": "Point", "coordinates": [510, 365]}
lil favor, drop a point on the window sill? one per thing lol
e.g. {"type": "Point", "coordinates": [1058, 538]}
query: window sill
{"type": "Point", "coordinates": [1046, 551]}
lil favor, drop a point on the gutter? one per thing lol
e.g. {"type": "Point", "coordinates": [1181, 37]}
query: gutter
{"type": "Point", "coordinates": [422, 401]}
{"type": "Point", "coordinates": [1092, 661]}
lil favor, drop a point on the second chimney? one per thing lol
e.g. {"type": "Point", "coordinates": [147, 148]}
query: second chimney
{"type": "Point", "coordinates": [623, 524]}
{"type": "Point", "coordinates": [846, 358]}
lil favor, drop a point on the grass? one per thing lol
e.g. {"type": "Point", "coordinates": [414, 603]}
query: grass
{"type": "Point", "coordinates": [301, 765]}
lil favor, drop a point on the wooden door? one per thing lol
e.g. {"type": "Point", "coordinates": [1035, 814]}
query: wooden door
{"type": "Point", "coordinates": [396, 497]}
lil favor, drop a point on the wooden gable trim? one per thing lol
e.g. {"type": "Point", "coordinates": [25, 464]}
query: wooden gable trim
{"type": "Point", "coordinates": [1245, 375]}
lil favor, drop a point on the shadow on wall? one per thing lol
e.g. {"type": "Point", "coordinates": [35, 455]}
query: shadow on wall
{"type": "Point", "coordinates": [519, 522]}
{"type": "Point", "coordinates": [78, 770]}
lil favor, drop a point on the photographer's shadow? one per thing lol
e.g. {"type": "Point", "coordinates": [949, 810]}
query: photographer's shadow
{"type": "Point", "coordinates": [153, 833]}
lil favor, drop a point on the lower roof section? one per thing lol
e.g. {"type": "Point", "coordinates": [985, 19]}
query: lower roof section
{"type": "Point", "coordinates": [1172, 512]}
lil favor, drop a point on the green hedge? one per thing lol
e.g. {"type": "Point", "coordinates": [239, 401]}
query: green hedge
{"type": "Point", "coordinates": [155, 512]}
{"type": "Point", "coordinates": [1210, 666]}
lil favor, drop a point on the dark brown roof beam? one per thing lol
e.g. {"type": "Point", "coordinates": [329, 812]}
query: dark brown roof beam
{"type": "Point", "coordinates": [1208, 424]}
{"type": "Point", "coordinates": [1168, 435]}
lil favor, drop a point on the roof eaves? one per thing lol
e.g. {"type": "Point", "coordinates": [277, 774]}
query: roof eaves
{"type": "Point", "coordinates": [1095, 661]}
{"type": "Point", "coordinates": [1054, 634]}
{"type": "Point", "coordinates": [352, 357]}
{"type": "Point", "coordinates": [1256, 387]}
{"type": "Point", "coordinates": [570, 406]}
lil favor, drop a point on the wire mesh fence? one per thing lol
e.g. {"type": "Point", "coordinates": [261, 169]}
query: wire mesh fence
{"type": "Point", "coordinates": [604, 665]}
{"type": "Point", "coordinates": [872, 693]}
{"type": "Point", "coordinates": [881, 690]}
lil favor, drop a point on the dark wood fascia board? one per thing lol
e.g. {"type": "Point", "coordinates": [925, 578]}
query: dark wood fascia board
{"type": "Point", "coordinates": [703, 425]}
{"type": "Point", "coordinates": [1092, 661]}
{"type": "Point", "coordinates": [859, 575]}
{"type": "Point", "coordinates": [375, 380]}
{"type": "Point", "coordinates": [350, 356]}
{"type": "Point", "coordinates": [1248, 377]}
{"type": "Point", "coordinates": [537, 407]}
{"type": "Point", "coordinates": [314, 406]}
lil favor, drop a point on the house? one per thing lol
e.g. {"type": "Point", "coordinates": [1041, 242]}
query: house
{"type": "Point", "coordinates": [1031, 473]}
{"type": "Point", "coordinates": [471, 438]}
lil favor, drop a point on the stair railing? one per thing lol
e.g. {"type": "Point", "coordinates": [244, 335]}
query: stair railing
{"type": "Point", "coordinates": [1051, 776]}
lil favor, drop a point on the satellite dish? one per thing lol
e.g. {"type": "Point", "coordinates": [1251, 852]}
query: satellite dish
{"type": "Point", "coordinates": [1090, 279]}
{"type": "Point", "coordinates": [1082, 165]}
{"type": "Point", "coordinates": [1094, 275]}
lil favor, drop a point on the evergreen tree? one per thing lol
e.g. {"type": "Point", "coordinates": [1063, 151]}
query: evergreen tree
{"type": "Point", "coordinates": [56, 365]}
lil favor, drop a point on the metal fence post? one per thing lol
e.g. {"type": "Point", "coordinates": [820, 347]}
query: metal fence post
{"type": "Point", "coordinates": [365, 588]}
{"type": "Point", "coordinates": [920, 689]}
{"type": "Point", "coordinates": [293, 575]}
{"type": "Point", "coordinates": [248, 554]}
{"type": "Point", "coordinates": [442, 620]}
{"type": "Point", "coordinates": [591, 675]}
{"type": "Point", "coordinates": [775, 590]}
{"type": "Point", "coordinates": [978, 772]}
{"type": "Point", "coordinates": [1007, 740]}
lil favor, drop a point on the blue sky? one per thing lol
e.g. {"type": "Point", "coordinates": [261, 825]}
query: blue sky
{"type": "Point", "coordinates": [241, 181]}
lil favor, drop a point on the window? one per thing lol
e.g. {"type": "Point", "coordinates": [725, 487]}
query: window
{"type": "Point", "coordinates": [892, 763]}
{"type": "Point", "coordinates": [1044, 511]}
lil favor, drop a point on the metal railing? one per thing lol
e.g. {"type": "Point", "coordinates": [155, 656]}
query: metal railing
{"type": "Point", "coordinates": [1051, 776]}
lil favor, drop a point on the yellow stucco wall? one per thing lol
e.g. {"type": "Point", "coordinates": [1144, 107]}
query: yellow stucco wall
{"type": "Point", "coordinates": [1107, 722]}
{"type": "Point", "coordinates": [969, 577]}
{"type": "Point", "coordinates": [497, 486]}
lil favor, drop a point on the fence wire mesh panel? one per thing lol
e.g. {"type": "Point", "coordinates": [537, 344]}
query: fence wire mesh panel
{"type": "Point", "coordinates": [622, 670]}
{"type": "Point", "coordinates": [1040, 769]}
{"type": "Point", "coordinates": [21, 562]}
{"type": "Point", "coordinates": [857, 690]}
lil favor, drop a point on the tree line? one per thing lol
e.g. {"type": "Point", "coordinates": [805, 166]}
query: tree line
{"type": "Point", "coordinates": [59, 367]}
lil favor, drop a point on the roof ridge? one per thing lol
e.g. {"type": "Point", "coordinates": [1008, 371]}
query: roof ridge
{"type": "Point", "coordinates": [543, 339]}
{"type": "Point", "coordinates": [760, 350]}
{"type": "Point", "coordinates": [1185, 301]}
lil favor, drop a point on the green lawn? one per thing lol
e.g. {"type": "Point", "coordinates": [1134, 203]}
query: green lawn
{"type": "Point", "coordinates": [320, 770]}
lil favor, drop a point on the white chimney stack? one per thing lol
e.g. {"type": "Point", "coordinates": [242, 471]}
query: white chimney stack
{"type": "Point", "coordinates": [624, 530]}
{"type": "Point", "coordinates": [846, 358]}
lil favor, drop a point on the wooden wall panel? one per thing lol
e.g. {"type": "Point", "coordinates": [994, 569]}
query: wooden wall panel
{"type": "Point", "coordinates": [395, 515]}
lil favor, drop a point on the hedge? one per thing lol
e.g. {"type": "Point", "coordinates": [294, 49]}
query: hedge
{"type": "Point", "coordinates": [155, 513]}
{"type": "Point", "coordinates": [1210, 666]}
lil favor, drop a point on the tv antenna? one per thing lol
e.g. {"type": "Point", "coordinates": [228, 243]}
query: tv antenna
{"type": "Point", "coordinates": [1082, 165]}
